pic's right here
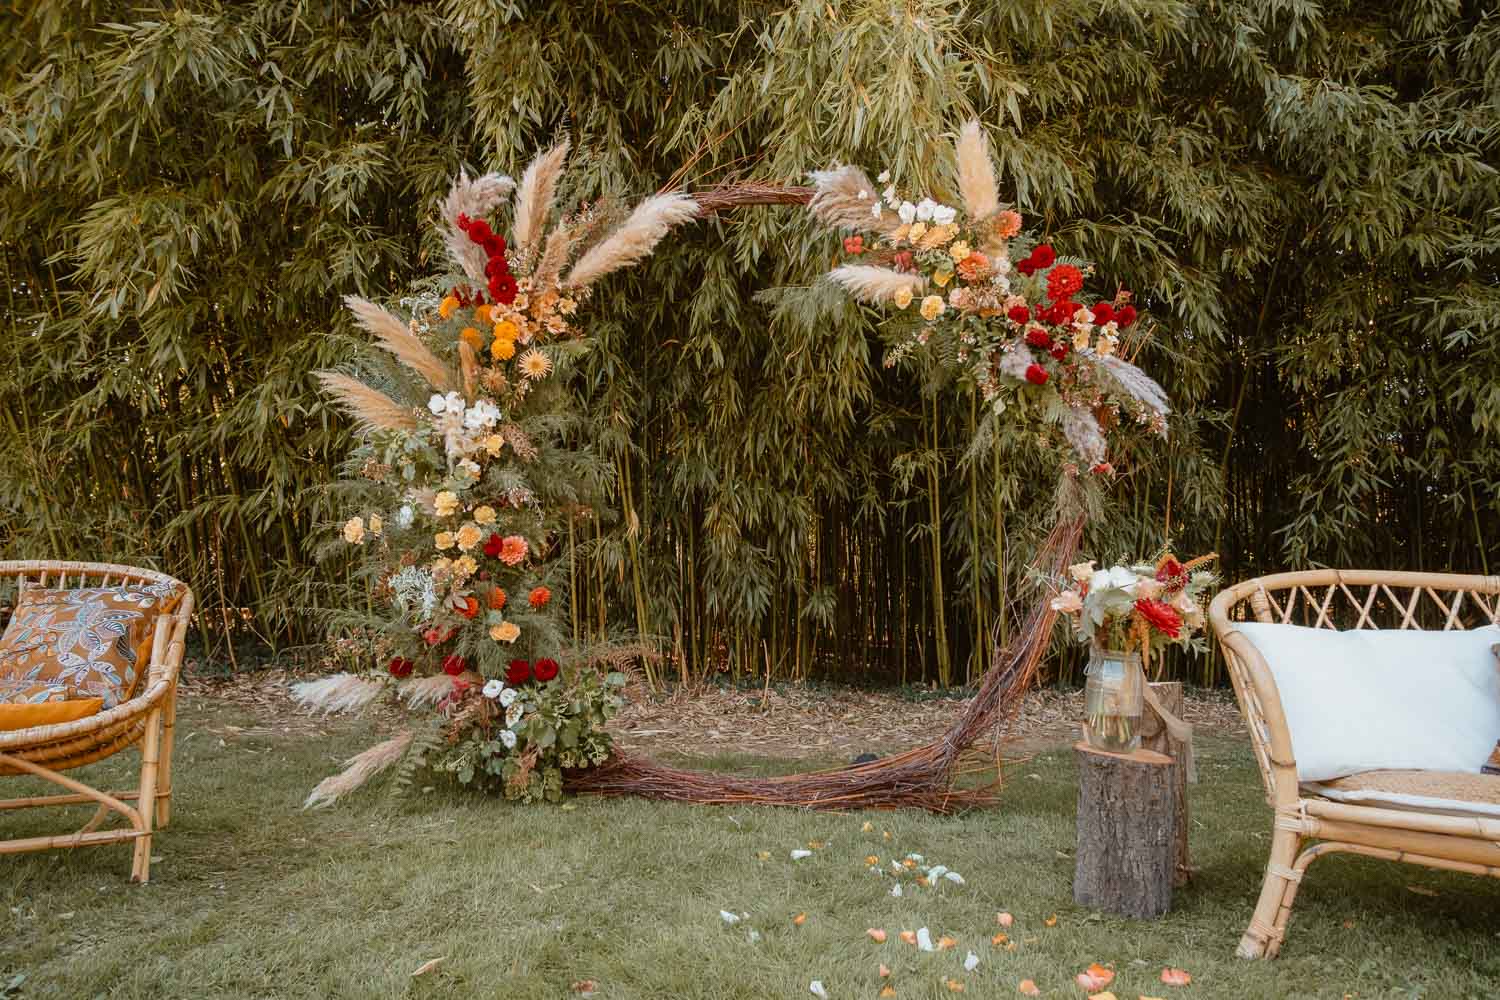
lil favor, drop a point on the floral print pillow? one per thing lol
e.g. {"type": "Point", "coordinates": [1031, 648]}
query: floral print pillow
{"type": "Point", "coordinates": [95, 642]}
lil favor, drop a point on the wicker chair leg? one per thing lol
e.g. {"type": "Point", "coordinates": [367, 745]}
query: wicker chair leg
{"type": "Point", "coordinates": [1262, 939]}
{"type": "Point", "coordinates": [164, 776]}
{"type": "Point", "coordinates": [140, 869]}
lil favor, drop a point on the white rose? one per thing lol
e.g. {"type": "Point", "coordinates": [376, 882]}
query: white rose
{"type": "Point", "coordinates": [943, 215]}
{"type": "Point", "coordinates": [507, 697]}
{"type": "Point", "coordinates": [493, 687]}
{"type": "Point", "coordinates": [453, 403]}
{"type": "Point", "coordinates": [863, 194]}
{"type": "Point", "coordinates": [885, 175]}
{"type": "Point", "coordinates": [875, 210]}
{"type": "Point", "coordinates": [514, 713]}
{"type": "Point", "coordinates": [925, 208]}
{"type": "Point", "coordinates": [508, 738]}
{"type": "Point", "coordinates": [907, 211]}
{"type": "Point", "coordinates": [889, 194]}
{"type": "Point", "coordinates": [404, 516]}
{"type": "Point", "coordinates": [1123, 578]}
{"type": "Point", "coordinates": [437, 404]}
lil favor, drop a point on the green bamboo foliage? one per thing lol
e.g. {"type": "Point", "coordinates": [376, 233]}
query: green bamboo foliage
{"type": "Point", "coordinates": [1301, 195]}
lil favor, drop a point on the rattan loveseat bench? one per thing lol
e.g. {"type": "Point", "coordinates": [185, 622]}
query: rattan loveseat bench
{"type": "Point", "coordinates": [1441, 819]}
{"type": "Point", "coordinates": [146, 720]}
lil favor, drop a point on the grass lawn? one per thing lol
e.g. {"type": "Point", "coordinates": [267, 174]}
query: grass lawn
{"type": "Point", "coordinates": [253, 898]}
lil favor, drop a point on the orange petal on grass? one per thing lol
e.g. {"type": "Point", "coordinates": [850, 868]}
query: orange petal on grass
{"type": "Point", "coordinates": [1095, 977]}
{"type": "Point", "coordinates": [1004, 919]}
{"type": "Point", "coordinates": [1028, 988]}
{"type": "Point", "coordinates": [922, 881]}
{"type": "Point", "coordinates": [815, 845]}
{"type": "Point", "coordinates": [1175, 977]}
{"type": "Point", "coordinates": [884, 972]}
{"type": "Point", "coordinates": [867, 828]}
{"type": "Point", "coordinates": [908, 863]}
{"type": "Point", "coordinates": [799, 919]}
{"type": "Point", "coordinates": [945, 942]}
{"type": "Point", "coordinates": [877, 934]}
{"type": "Point", "coordinates": [954, 986]}
{"type": "Point", "coordinates": [1051, 921]}
{"type": "Point", "coordinates": [887, 990]}
{"type": "Point", "coordinates": [910, 937]}
{"type": "Point", "coordinates": [1106, 995]}
{"type": "Point", "coordinates": [871, 859]}
{"type": "Point", "coordinates": [886, 834]}
{"type": "Point", "coordinates": [999, 939]}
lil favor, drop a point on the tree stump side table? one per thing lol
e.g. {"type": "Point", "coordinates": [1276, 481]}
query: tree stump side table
{"type": "Point", "coordinates": [1127, 832]}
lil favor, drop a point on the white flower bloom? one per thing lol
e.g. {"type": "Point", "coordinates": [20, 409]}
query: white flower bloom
{"type": "Point", "coordinates": [481, 416]}
{"type": "Point", "coordinates": [885, 175]}
{"type": "Point", "coordinates": [944, 215]}
{"type": "Point", "coordinates": [889, 194]}
{"type": "Point", "coordinates": [469, 466]}
{"type": "Point", "coordinates": [508, 738]}
{"type": "Point", "coordinates": [514, 713]}
{"type": "Point", "coordinates": [875, 210]}
{"type": "Point", "coordinates": [925, 208]}
{"type": "Point", "coordinates": [404, 516]}
{"type": "Point", "coordinates": [907, 211]}
{"type": "Point", "coordinates": [493, 687]}
{"type": "Point", "coordinates": [437, 404]}
{"type": "Point", "coordinates": [453, 403]}
{"type": "Point", "coordinates": [1001, 264]}
{"type": "Point", "coordinates": [507, 697]}
{"type": "Point", "coordinates": [863, 194]}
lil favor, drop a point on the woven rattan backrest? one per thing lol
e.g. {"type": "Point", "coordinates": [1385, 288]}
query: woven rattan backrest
{"type": "Point", "coordinates": [66, 575]}
{"type": "Point", "coordinates": [1374, 599]}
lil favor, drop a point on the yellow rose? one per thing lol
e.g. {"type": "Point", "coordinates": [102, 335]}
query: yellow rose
{"type": "Point", "coordinates": [902, 298]}
{"type": "Point", "coordinates": [464, 567]}
{"type": "Point", "coordinates": [447, 307]}
{"type": "Point", "coordinates": [916, 231]}
{"type": "Point", "coordinates": [469, 536]}
{"type": "Point", "coordinates": [942, 277]}
{"type": "Point", "coordinates": [503, 350]}
{"type": "Point", "coordinates": [354, 530]}
{"type": "Point", "coordinates": [959, 251]}
{"type": "Point", "coordinates": [932, 307]}
{"type": "Point", "coordinates": [376, 524]}
{"type": "Point", "coordinates": [444, 540]}
{"type": "Point", "coordinates": [445, 503]}
{"type": "Point", "coordinates": [485, 514]}
{"type": "Point", "coordinates": [440, 567]}
{"type": "Point", "coordinates": [492, 444]}
{"type": "Point", "coordinates": [505, 632]}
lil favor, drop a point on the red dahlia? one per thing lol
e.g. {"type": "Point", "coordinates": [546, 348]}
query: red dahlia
{"type": "Point", "coordinates": [1043, 256]}
{"type": "Point", "coordinates": [401, 667]}
{"type": "Point", "coordinates": [1060, 349]}
{"type": "Point", "coordinates": [1062, 281]}
{"type": "Point", "coordinates": [503, 289]}
{"type": "Point", "coordinates": [518, 673]}
{"type": "Point", "coordinates": [1037, 337]}
{"type": "Point", "coordinates": [1036, 375]}
{"type": "Point", "coordinates": [546, 670]}
{"type": "Point", "coordinates": [1018, 314]}
{"type": "Point", "coordinates": [539, 597]}
{"type": "Point", "coordinates": [453, 665]}
{"type": "Point", "coordinates": [1160, 616]}
{"type": "Point", "coordinates": [1103, 312]}
{"type": "Point", "coordinates": [493, 546]}
{"type": "Point", "coordinates": [1125, 316]}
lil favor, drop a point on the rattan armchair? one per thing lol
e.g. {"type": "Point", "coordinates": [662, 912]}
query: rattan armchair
{"type": "Point", "coordinates": [146, 720]}
{"type": "Point", "coordinates": [1306, 825]}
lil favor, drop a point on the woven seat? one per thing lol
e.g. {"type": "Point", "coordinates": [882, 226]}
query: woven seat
{"type": "Point", "coordinates": [146, 720]}
{"type": "Point", "coordinates": [1440, 819]}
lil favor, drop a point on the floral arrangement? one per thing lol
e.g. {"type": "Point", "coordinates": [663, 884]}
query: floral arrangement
{"type": "Point", "coordinates": [975, 292]}
{"type": "Point", "coordinates": [1141, 607]}
{"type": "Point", "coordinates": [463, 480]}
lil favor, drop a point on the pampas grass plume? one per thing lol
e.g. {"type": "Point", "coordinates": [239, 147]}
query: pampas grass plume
{"type": "Point", "coordinates": [358, 770]}
{"type": "Point", "coordinates": [976, 174]}
{"type": "Point", "coordinates": [372, 409]}
{"type": "Point", "coordinates": [635, 239]}
{"type": "Point", "coordinates": [534, 197]}
{"type": "Point", "coordinates": [339, 693]}
{"type": "Point", "coordinates": [875, 285]}
{"type": "Point", "coordinates": [837, 201]}
{"type": "Point", "coordinates": [393, 335]}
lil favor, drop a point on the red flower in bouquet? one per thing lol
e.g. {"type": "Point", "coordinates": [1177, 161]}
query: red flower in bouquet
{"type": "Point", "coordinates": [1172, 574]}
{"type": "Point", "coordinates": [1037, 337]}
{"type": "Point", "coordinates": [1043, 256]}
{"type": "Point", "coordinates": [538, 599]}
{"type": "Point", "coordinates": [1161, 616]}
{"type": "Point", "coordinates": [903, 261]}
{"type": "Point", "coordinates": [854, 244]}
{"type": "Point", "coordinates": [1125, 316]}
{"type": "Point", "coordinates": [1103, 312]}
{"type": "Point", "coordinates": [453, 665]}
{"type": "Point", "coordinates": [432, 637]}
{"type": "Point", "coordinates": [518, 673]}
{"type": "Point", "coordinates": [1059, 312]}
{"type": "Point", "coordinates": [470, 608]}
{"type": "Point", "coordinates": [400, 666]}
{"type": "Point", "coordinates": [503, 289]}
{"type": "Point", "coordinates": [1062, 281]}
{"type": "Point", "coordinates": [497, 597]}
{"type": "Point", "coordinates": [513, 549]}
{"type": "Point", "coordinates": [546, 670]}
{"type": "Point", "coordinates": [1060, 349]}
{"type": "Point", "coordinates": [1036, 375]}
{"type": "Point", "coordinates": [1018, 314]}
{"type": "Point", "coordinates": [493, 546]}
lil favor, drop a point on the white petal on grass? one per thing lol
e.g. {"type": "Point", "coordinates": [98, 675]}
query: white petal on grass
{"type": "Point", "coordinates": [971, 962]}
{"type": "Point", "coordinates": [728, 918]}
{"type": "Point", "coordinates": [937, 871]}
{"type": "Point", "coordinates": [800, 853]}
{"type": "Point", "coordinates": [924, 940]}
{"type": "Point", "coordinates": [896, 889]}
{"type": "Point", "coordinates": [954, 877]}
{"type": "Point", "coordinates": [817, 990]}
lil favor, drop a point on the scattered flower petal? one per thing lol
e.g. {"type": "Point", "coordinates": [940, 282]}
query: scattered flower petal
{"type": "Point", "coordinates": [1095, 977]}
{"type": "Point", "coordinates": [1106, 995]}
{"type": "Point", "coordinates": [754, 935]}
{"type": "Point", "coordinates": [817, 990]}
{"type": "Point", "coordinates": [763, 855]}
{"type": "Point", "coordinates": [910, 937]}
{"type": "Point", "coordinates": [884, 972]}
{"type": "Point", "coordinates": [1175, 977]}
{"type": "Point", "coordinates": [816, 845]}
{"type": "Point", "coordinates": [871, 859]}
{"type": "Point", "coordinates": [954, 986]}
{"type": "Point", "coordinates": [999, 939]}
{"type": "Point", "coordinates": [585, 987]}
{"type": "Point", "coordinates": [799, 920]}
{"type": "Point", "coordinates": [971, 962]}
{"type": "Point", "coordinates": [896, 889]}
{"type": "Point", "coordinates": [1004, 919]}
{"type": "Point", "coordinates": [924, 940]}
{"type": "Point", "coordinates": [1028, 988]}
{"type": "Point", "coordinates": [954, 877]}
{"type": "Point", "coordinates": [867, 828]}
{"type": "Point", "coordinates": [937, 871]}
{"type": "Point", "coordinates": [428, 966]}
{"type": "Point", "coordinates": [1051, 921]}
{"type": "Point", "coordinates": [728, 918]}
{"type": "Point", "coordinates": [799, 854]}
{"type": "Point", "coordinates": [877, 934]}
{"type": "Point", "coordinates": [887, 990]}
{"type": "Point", "coordinates": [945, 942]}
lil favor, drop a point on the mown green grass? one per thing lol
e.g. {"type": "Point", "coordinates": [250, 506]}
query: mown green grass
{"type": "Point", "coordinates": [254, 898]}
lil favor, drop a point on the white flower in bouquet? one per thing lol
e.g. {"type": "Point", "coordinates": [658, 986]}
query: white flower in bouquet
{"type": "Point", "coordinates": [883, 177]}
{"type": "Point", "coordinates": [1081, 572]}
{"type": "Point", "coordinates": [481, 416]}
{"type": "Point", "coordinates": [508, 697]}
{"type": "Point", "coordinates": [514, 713]}
{"type": "Point", "coordinates": [493, 688]}
{"type": "Point", "coordinates": [437, 404]}
{"type": "Point", "coordinates": [925, 208]}
{"type": "Point", "coordinates": [508, 738]}
{"type": "Point", "coordinates": [944, 215]}
{"type": "Point", "coordinates": [907, 212]}
{"type": "Point", "coordinates": [1068, 602]}
{"type": "Point", "coordinates": [404, 516]}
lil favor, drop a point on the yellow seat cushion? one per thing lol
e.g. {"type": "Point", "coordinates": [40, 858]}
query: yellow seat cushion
{"type": "Point", "coordinates": [24, 704]}
{"type": "Point", "coordinates": [95, 642]}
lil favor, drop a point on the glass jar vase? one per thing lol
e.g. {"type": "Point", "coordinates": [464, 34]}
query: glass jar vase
{"type": "Point", "coordinates": [1113, 700]}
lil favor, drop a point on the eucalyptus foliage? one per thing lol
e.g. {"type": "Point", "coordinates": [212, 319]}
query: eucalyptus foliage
{"type": "Point", "coordinates": [1302, 195]}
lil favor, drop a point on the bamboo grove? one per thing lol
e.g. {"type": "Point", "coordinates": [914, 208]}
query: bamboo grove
{"type": "Point", "coordinates": [1303, 195]}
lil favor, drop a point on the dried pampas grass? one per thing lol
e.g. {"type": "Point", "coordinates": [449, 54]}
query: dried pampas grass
{"type": "Point", "coordinates": [358, 770]}
{"type": "Point", "coordinates": [468, 365]}
{"type": "Point", "coordinates": [1084, 434]}
{"type": "Point", "coordinates": [393, 335]}
{"type": "Point", "coordinates": [534, 197]}
{"type": "Point", "coordinates": [635, 239]}
{"type": "Point", "coordinates": [474, 198]}
{"type": "Point", "coordinates": [976, 174]}
{"type": "Point", "coordinates": [339, 693]}
{"type": "Point", "coordinates": [372, 410]}
{"type": "Point", "coordinates": [554, 259]}
{"type": "Point", "coordinates": [419, 692]}
{"type": "Point", "coordinates": [845, 197]}
{"type": "Point", "coordinates": [1136, 383]}
{"type": "Point", "coordinates": [869, 283]}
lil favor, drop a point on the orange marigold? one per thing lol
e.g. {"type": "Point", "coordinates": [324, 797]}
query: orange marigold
{"type": "Point", "coordinates": [539, 597]}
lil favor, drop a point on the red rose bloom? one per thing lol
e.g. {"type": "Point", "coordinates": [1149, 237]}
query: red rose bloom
{"type": "Point", "coordinates": [479, 231]}
{"type": "Point", "coordinates": [546, 670]}
{"type": "Point", "coordinates": [432, 637]}
{"type": "Point", "coordinates": [401, 667]}
{"type": "Point", "coordinates": [1036, 375]}
{"type": "Point", "coordinates": [1125, 316]}
{"type": "Point", "coordinates": [1043, 256]}
{"type": "Point", "coordinates": [538, 599]}
{"type": "Point", "coordinates": [1103, 312]}
{"type": "Point", "coordinates": [493, 545]}
{"type": "Point", "coordinates": [854, 244]}
{"type": "Point", "coordinates": [1037, 337]}
{"type": "Point", "coordinates": [1060, 349]}
{"type": "Point", "coordinates": [518, 673]}
{"type": "Point", "coordinates": [1062, 281]}
{"type": "Point", "coordinates": [1018, 314]}
{"type": "Point", "coordinates": [1170, 569]}
{"type": "Point", "coordinates": [1160, 616]}
{"type": "Point", "coordinates": [903, 261]}
{"type": "Point", "coordinates": [495, 246]}
{"type": "Point", "coordinates": [453, 665]}
{"type": "Point", "coordinates": [1059, 313]}
{"type": "Point", "coordinates": [496, 266]}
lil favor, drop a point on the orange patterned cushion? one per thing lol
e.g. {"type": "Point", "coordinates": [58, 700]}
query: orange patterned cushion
{"type": "Point", "coordinates": [94, 642]}
{"type": "Point", "coordinates": [24, 704]}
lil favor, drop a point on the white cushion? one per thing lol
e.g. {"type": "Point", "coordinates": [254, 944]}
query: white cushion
{"type": "Point", "coordinates": [1369, 699]}
{"type": "Point", "coordinates": [1410, 803]}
